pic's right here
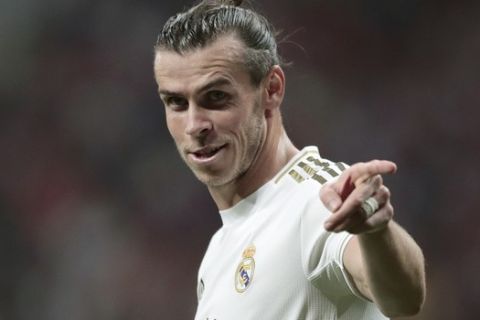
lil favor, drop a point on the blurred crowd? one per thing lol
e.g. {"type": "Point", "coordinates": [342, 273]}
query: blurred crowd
{"type": "Point", "coordinates": [99, 217]}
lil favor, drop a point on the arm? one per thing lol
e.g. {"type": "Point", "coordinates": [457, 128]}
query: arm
{"type": "Point", "coordinates": [384, 262]}
{"type": "Point", "coordinates": [387, 267]}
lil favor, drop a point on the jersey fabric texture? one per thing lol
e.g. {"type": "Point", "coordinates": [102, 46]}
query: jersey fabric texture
{"type": "Point", "coordinates": [272, 259]}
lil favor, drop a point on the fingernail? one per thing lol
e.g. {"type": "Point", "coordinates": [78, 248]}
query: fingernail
{"type": "Point", "coordinates": [327, 225]}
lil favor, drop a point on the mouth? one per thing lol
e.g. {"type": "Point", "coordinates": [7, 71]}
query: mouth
{"type": "Point", "coordinates": [206, 154]}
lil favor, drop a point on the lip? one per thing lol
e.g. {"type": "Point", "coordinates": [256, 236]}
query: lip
{"type": "Point", "coordinates": [195, 155]}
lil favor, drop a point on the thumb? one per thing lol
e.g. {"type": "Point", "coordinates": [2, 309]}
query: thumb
{"type": "Point", "coordinates": [330, 198]}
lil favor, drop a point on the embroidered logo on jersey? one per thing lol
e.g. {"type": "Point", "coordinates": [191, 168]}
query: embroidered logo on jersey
{"type": "Point", "coordinates": [245, 270]}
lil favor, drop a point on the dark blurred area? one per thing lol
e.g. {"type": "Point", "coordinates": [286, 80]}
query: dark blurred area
{"type": "Point", "coordinates": [99, 217]}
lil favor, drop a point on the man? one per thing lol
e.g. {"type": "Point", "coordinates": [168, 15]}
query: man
{"type": "Point", "coordinates": [302, 237]}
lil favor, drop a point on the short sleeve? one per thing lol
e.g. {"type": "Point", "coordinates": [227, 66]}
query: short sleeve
{"type": "Point", "coordinates": [322, 252]}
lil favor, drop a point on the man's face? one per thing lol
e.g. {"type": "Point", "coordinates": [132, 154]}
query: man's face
{"type": "Point", "coordinates": [213, 112]}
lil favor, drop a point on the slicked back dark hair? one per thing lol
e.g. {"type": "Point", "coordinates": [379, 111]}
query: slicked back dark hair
{"type": "Point", "coordinates": [200, 25]}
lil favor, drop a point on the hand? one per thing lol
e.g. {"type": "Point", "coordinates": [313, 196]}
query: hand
{"type": "Point", "coordinates": [345, 196]}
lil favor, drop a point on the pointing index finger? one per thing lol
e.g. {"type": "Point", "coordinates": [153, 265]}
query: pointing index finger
{"type": "Point", "coordinates": [363, 171]}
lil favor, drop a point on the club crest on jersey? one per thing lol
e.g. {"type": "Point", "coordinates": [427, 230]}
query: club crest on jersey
{"type": "Point", "coordinates": [245, 269]}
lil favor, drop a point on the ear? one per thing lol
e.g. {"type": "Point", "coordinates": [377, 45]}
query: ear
{"type": "Point", "coordinates": [274, 88]}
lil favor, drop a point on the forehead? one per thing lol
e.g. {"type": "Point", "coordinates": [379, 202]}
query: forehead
{"type": "Point", "coordinates": [223, 58]}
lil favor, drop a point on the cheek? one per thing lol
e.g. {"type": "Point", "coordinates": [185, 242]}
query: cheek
{"type": "Point", "coordinates": [232, 122]}
{"type": "Point", "coordinates": [174, 125]}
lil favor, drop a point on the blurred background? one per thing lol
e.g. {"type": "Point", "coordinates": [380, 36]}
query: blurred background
{"type": "Point", "coordinates": [100, 219]}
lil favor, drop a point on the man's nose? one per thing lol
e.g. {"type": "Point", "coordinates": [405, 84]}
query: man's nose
{"type": "Point", "coordinates": [198, 121]}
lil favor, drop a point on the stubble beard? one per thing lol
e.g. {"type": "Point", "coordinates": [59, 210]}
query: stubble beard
{"type": "Point", "coordinates": [254, 136]}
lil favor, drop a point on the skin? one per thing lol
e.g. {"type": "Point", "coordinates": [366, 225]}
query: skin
{"type": "Point", "coordinates": [230, 133]}
{"type": "Point", "coordinates": [384, 261]}
{"type": "Point", "coordinates": [210, 102]}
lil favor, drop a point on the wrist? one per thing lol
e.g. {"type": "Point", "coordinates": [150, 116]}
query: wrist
{"type": "Point", "coordinates": [377, 233]}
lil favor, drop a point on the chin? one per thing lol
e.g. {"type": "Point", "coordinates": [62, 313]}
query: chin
{"type": "Point", "coordinates": [215, 181]}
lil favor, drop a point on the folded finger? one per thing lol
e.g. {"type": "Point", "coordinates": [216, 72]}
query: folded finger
{"type": "Point", "coordinates": [351, 206]}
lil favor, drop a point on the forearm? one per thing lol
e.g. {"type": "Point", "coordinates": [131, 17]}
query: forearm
{"type": "Point", "coordinates": [385, 263]}
{"type": "Point", "coordinates": [393, 267]}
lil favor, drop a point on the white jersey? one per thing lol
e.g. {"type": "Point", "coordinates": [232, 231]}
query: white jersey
{"type": "Point", "coordinates": [272, 259]}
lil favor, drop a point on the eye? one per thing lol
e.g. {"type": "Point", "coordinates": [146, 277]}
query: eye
{"type": "Point", "coordinates": [175, 102]}
{"type": "Point", "coordinates": [216, 96]}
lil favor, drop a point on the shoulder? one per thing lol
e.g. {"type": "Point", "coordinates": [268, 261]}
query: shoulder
{"type": "Point", "coordinates": [299, 182]}
{"type": "Point", "coordinates": [308, 165]}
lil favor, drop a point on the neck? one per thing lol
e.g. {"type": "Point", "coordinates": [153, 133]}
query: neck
{"type": "Point", "coordinates": [274, 154]}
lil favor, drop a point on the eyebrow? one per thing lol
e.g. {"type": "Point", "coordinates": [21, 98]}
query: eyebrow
{"type": "Point", "coordinates": [215, 83]}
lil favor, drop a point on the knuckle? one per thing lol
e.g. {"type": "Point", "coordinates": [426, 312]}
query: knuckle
{"type": "Point", "coordinates": [380, 179]}
{"type": "Point", "coordinates": [388, 212]}
{"type": "Point", "coordinates": [391, 210]}
{"type": "Point", "coordinates": [377, 180]}
{"type": "Point", "coordinates": [386, 191]}
{"type": "Point", "coordinates": [375, 163]}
